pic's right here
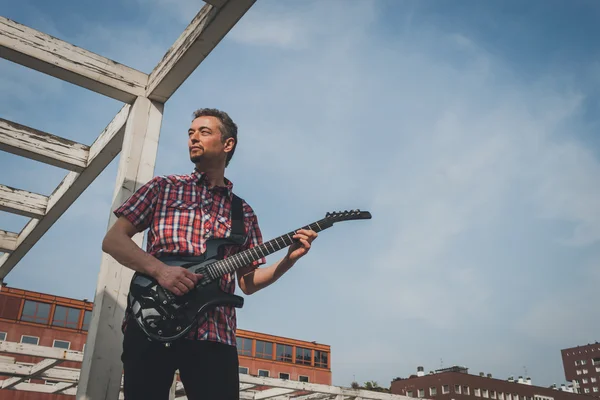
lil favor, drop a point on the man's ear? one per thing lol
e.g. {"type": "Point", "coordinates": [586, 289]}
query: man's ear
{"type": "Point", "coordinates": [229, 144]}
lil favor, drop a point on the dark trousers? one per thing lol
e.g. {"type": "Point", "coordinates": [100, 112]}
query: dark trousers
{"type": "Point", "coordinates": [208, 370]}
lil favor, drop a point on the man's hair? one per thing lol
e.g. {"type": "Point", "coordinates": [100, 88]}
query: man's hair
{"type": "Point", "coordinates": [228, 127]}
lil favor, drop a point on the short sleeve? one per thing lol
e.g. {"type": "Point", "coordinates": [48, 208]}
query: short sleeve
{"type": "Point", "coordinates": [253, 233]}
{"type": "Point", "coordinates": [139, 208]}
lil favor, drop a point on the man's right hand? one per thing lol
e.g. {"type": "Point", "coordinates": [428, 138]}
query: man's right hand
{"type": "Point", "coordinates": [177, 280]}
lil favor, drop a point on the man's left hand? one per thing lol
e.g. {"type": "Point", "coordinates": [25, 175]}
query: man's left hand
{"type": "Point", "coordinates": [302, 246]}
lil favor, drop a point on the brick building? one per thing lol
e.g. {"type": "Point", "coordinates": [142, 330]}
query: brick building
{"type": "Point", "coordinates": [582, 368]}
{"type": "Point", "coordinates": [53, 321]}
{"type": "Point", "coordinates": [455, 383]}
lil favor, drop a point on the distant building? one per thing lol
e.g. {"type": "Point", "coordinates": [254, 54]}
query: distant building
{"type": "Point", "coordinates": [54, 321]}
{"type": "Point", "coordinates": [582, 368]}
{"type": "Point", "coordinates": [455, 383]}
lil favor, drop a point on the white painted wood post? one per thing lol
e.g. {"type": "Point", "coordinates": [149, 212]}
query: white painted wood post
{"type": "Point", "coordinates": [101, 370]}
{"type": "Point", "coordinates": [173, 388]}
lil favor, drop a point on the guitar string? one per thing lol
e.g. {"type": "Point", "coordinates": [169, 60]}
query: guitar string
{"type": "Point", "coordinates": [236, 261]}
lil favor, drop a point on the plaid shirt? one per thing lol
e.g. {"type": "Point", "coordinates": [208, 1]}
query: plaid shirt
{"type": "Point", "coordinates": [181, 213]}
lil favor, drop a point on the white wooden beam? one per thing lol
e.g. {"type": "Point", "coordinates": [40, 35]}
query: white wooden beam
{"type": "Point", "coordinates": [101, 153]}
{"type": "Point", "coordinates": [101, 370]}
{"type": "Point", "coordinates": [40, 351]}
{"type": "Point", "coordinates": [318, 388]}
{"type": "Point", "coordinates": [196, 42]}
{"type": "Point", "coordinates": [216, 3]}
{"type": "Point", "coordinates": [57, 58]}
{"type": "Point", "coordinates": [22, 202]}
{"type": "Point", "coordinates": [32, 372]}
{"type": "Point", "coordinates": [270, 393]}
{"type": "Point", "coordinates": [41, 146]}
{"type": "Point", "coordinates": [53, 374]}
{"type": "Point", "coordinates": [60, 387]}
{"type": "Point", "coordinates": [8, 241]}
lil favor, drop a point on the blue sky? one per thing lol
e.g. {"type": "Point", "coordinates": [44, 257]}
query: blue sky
{"type": "Point", "coordinates": [469, 129]}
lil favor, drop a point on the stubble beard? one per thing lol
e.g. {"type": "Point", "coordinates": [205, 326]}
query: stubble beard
{"type": "Point", "coordinates": [195, 159]}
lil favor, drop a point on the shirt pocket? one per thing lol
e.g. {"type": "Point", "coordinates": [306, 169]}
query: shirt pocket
{"type": "Point", "coordinates": [184, 214]}
{"type": "Point", "coordinates": [181, 204]}
{"type": "Point", "coordinates": [222, 227]}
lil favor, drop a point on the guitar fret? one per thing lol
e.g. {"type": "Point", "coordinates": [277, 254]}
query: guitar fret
{"type": "Point", "coordinates": [235, 261]}
{"type": "Point", "coordinates": [262, 251]}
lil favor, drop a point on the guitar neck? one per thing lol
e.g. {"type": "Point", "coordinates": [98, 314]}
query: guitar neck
{"type": "Point", "coordinates": [239, 260]}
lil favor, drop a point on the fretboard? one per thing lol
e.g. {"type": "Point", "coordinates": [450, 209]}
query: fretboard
{"type": "Point", "coordinates": [239, 260]}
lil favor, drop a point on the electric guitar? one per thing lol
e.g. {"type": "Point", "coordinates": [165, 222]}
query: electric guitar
{"type": "Point", "coordinates": [165, 317]}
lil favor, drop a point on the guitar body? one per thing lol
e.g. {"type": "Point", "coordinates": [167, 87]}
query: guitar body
{"type": "Point", "coordinates": [164, 316]}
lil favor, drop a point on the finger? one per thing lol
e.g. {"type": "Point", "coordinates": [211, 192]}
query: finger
{"type": "Point", "coordinates": [300, 236]}
{"type": "Point", "coordinates": [182, 288]}
{"type": "Point", "coordinates": [175, 291]}
{"type": "Point", "coordinates": [190, 284]}
{"type": "Point", "coordinates": [199, 276]}
{"type": "Point", "coordinates": [190, 275]}
{"type": "Point", "coordinates": [305, 244]}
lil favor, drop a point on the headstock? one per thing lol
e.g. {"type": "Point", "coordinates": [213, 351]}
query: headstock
{"type": "Point", "coordinates": [347, 215]}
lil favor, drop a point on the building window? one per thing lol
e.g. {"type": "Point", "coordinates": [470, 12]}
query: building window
{"type": "Point", "coordinates": [578, 372]}
{"type": "Point", "coordinates": [593, 379]}
{"type": "Point", "coordinates": [445, 389]}
{"type": "Point", "coordinates": [243, 370]}
{"type": "Point", "coordinates": [302, 356]}
{"type": "Point", "coordinates": [34, 311]}
{"type": "Point", "coordinates": [597, 369]}
{"type": "Point", "coordinates": [421, 393]}
{"type": "Point", "coordinates": [477, 392]}
{"type": "Point", "coordinates": [320, 359]}
{"type": "Point", "coordinates": [87, 318]}
{"type": "Point", "coordinates": [586, 390]}
{"type": "Point", "coordinates": [284, 352]}
{"type": "Point", "coordinates": [576, 362]}
{"type": "Point", "coordinates": [583, 362]}
{"type": "Point", "coordinates": [457, 389]}
{"type": "Point", "coordinates": [244, 346]}
{"type": "Point", "coordinates": [62, 344]}
{"type": "Point", "coordinates": [585, 371]}
{"type": "Point", "coordinates": [596, 361]}
{"type": "Point", "coordinates": [263, 372]}
{"type": "Point", "coordinates": [508, 396]}
{"type": "Point", "coordinates": [485, 393]}
{"type": "Point", "coordinates": [283, 375]}
{"type": "Point", "coordinates": [30, 339]}
{"type": "Point", "coordinates": [303, 378]}
{"type": "Point", "coordinates": [493, 394]}
{"type": "Point", "coordinates": [500, 396]}
{"type": "Point", "coordinates": [66, 317]}
{"type": "Point", "coordinates": [595, 389]}
{"type": "Point", "coordinates": [264, 349]}
{"type": "Point", "coordinates": [466, 390]}
{"type": "Point", "coordinates": [584, 380]}
{"type": "Point", "coordinates": [433, 391]}
{"type": "Point", "coordinates": [2, 336]}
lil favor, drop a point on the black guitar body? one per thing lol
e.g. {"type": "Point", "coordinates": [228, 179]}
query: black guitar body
{"type": "Point", "coordinates": [164, 316]}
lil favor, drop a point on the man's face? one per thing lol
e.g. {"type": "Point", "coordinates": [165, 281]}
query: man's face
{"type": "Point", "coordinates": [204, 140]}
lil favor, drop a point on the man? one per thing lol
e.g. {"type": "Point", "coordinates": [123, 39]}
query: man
{"type": "Point", "coordinates": [181, 212]}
